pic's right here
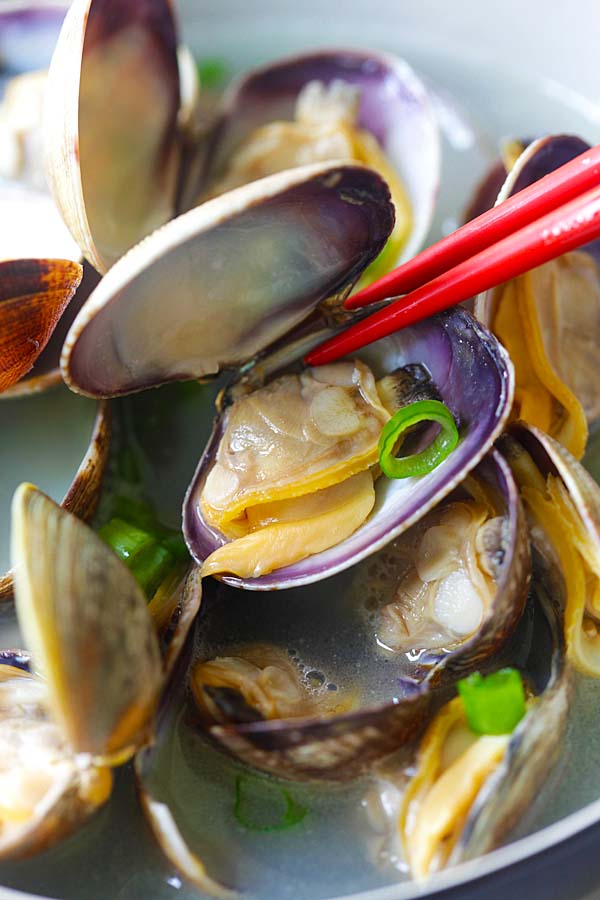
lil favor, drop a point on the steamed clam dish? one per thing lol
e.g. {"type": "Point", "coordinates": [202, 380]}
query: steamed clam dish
{"type": "Point", "coordinates": [422, 502]}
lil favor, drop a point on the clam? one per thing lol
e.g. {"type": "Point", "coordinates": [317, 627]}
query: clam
{"type": "Point", "coordinates": [441, 350]}
{"type": "Point", "coordinates": [549, 319]}
{"type": "Point", "coordinates": [123, 161]}
{"type": "Point", "coordinates": [449, 591]}
{"type": "Point", "coordinates": [45, 372]}
{"type": "Point", "coordinates": [79, 714]}
{"type": "Point", "coordinates": [278, 266]}
{"type": "Point", "coordinates": [266, 256]}
{"type": "Point", "coordinates": [279, 269]}
{"type": "Point", "coordinates": [369, 107]}
{"type": "Point", "coordinates": [462, 793]}
{"type": "Point", "coordinates": [562, 501]}
{"type": "Point", "coordinates": [110, 124]}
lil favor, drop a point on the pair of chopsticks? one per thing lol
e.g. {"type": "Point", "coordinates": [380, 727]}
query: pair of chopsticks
{"type": "Point", "coordinates": [558, 213]}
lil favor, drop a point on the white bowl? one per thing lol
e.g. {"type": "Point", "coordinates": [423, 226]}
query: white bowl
{"type": "Point", "coordinates": [498, 67]}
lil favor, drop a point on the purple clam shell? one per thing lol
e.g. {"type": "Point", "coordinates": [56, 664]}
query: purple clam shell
{"type": "Point", "coordinates": [540, 158]}
{"type": "Point", "coordinates": [19, 659]}
{"type": "Point", "coordinates": [237, 272]}
{"type": "Point", "coordinates": [394, 107]}
{"type": "Point", "coordinates": [474, 377]}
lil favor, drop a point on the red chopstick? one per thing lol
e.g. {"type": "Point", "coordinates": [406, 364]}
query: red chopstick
{"type": "Point", "coordinates": [566, 228]}
{"type": "Point", "coordinates": [553, 190]}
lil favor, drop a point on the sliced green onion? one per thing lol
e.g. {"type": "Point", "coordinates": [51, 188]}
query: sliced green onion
{"type": "Point", "coordinates": [152, 556]}
{"type": "Point", "coordinates": [494, 704]}
{"type": "Point", "coordinates": [428, 459]}
{"type": "Point", "coordinates": [126, 540]}
{"type": "Point", "coordinates": [260, 806]}
{"type": "Point", "coordinates": [212, 71]}
{"type": "Point", "coordinates": [152, 566]}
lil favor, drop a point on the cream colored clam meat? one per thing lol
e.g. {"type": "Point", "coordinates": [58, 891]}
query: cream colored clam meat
{"type": "Point", "coordinates": [293, 472]}
{"type": "Point", "coordinates": [264, 679]}
{"type": "Point", "coordinates": [325, 127]}
{"type": "Point", "coordinates": [439, 577]}
{"type": "Point", "coordinates": [45, 789]}
{"type": "Point", "coordinates": [452, 765]}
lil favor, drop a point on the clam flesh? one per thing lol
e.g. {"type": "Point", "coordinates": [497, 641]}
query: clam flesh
{"type": "Point", "coordinates": [47, 790]}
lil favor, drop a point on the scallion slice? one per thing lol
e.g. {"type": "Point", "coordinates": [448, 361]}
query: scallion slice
{"type": "Point", "coordinates": [252, 795]}
{"type": "Point", "coordinates": [494, 704]}
{"type": "Point", "coordinates": [428, 459]}
{"type": "Point", "coordinates": [127, 540]}
{"type": "Point", "coordinates": [151, 566]}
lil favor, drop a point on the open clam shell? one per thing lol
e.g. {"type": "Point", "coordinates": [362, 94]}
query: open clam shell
{"type": "Point", "coordinates": [467, 366]}
{"type": "Point", "coordinates": [110, 122]}
{"type": "Point", "coordinates": [72, 592]}
{"type": "Point", "coordinates": [252, 263]}
{"type": "Point", "coordinates": [393, 107]}
{"type": "Point", "coordinates": [327, 743]}
{"type": "Point", "coordinates": [512, 578]}
{"type": "Point", "coordinates": [549, 318]}
{"type": "Point", "coordinates": [535, 744]}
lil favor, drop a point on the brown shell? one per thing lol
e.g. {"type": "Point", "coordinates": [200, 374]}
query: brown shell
{"type": "Point", "coordinates": [34, 294]}
{"type": "Point", "coordinates": [335, 749]}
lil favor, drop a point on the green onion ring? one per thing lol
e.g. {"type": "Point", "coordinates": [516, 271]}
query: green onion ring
{"type": "Point", "coordinates": [428, 459]}
{"type": "Point", "coordinates": [494, 704]}
{"type": "Point", "coordinates": [292, 815]}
